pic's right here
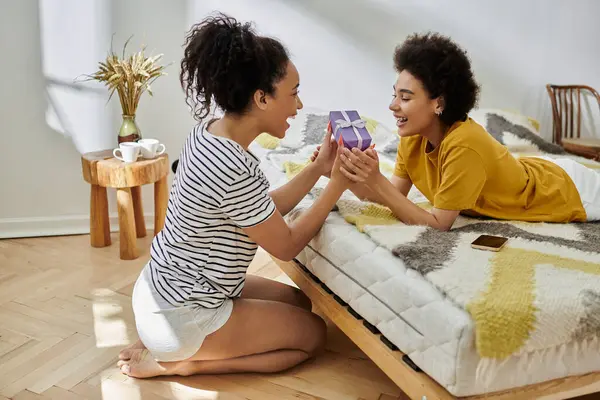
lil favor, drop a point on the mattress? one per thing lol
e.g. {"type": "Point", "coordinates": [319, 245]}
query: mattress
{"type": "Point", "coordinates": [413, 315]}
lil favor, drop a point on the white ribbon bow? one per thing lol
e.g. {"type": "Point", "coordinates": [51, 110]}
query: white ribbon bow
{"type": "Point", "coordinates": [346, 123]}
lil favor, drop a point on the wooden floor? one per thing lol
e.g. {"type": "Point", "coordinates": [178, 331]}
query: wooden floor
{"type": "Point", "coordinates": [65, 312]}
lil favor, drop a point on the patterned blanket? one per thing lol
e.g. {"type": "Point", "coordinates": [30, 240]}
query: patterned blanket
{"type": "Point", "coordinates": [542, 290]}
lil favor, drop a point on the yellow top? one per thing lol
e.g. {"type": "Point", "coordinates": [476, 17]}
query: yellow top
{"type": "Point", "coordinates": [472, 172]}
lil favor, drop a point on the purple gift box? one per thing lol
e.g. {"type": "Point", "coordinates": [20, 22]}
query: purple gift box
{"type": "Point", "coordinates": [351, 127]}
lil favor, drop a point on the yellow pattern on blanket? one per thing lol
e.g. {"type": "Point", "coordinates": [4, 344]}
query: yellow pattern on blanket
{"type": "Point", "coordinates": [509, 299]}
{"type": "Point", "coordinates": [267, 141]}
{"type": "Point", "coordinates": [365, 214]}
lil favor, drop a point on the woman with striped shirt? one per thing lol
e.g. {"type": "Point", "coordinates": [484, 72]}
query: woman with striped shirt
{"type": "Point", "coordinates": [196, 310]}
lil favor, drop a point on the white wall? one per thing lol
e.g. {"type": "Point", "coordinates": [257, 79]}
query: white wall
{"type": "Point", "coordinates": [40, 176]}
{"type": "Point", "coordinates": [343, 49]}
{"type": "Point", "coordinates": [46, 121]}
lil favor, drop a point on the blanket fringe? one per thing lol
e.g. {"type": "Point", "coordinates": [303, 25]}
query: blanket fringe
{"type": "Point", "coordinates": [527, 363]}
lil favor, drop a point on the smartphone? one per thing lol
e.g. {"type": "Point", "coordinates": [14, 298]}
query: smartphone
{"type": "Point", "coordinates": [487, 242]}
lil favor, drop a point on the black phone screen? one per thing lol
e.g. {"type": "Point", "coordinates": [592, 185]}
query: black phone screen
{"type": "Point", "coordinates": [490, 241]}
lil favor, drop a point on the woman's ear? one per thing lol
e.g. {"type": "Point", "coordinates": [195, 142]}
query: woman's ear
{"type": "Point", "coordinates": [441, 104]}
{"type": "Point", "coordinates": [260, 98]}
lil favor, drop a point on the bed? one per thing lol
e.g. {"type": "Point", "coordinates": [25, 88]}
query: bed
{"type": "Point", "coordinates": [442, 320]}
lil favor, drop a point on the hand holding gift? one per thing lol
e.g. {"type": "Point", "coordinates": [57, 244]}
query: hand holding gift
{"type": "Point", "coordinates": [337, 175]}
{"type": "Point", "coordinates": [360, 166]}
{"type": "Point", "coordinates": [325, 155]}
{"type": "Point", "coordinates": [348, 126]}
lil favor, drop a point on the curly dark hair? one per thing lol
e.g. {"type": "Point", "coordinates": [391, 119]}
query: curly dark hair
{"type": "Point", "coordinates": [444, 69]}
{"type": "Point", "coordinates": [225, 61]}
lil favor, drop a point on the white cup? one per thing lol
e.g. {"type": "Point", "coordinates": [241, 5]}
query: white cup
{"type": "Point", "coordinates": [130, 151]}
{"type": "Point", "coordinates": [150, 148]}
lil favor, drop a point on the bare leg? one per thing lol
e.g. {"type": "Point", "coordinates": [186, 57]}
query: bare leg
{"type": "Point", "coordinates": [142, 365]}
{"type": "Point", "coordinates": [257, 287]}
{"type": "Point", "coordinates": [277, 336]}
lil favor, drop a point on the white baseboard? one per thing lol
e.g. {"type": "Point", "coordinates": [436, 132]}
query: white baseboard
{"type": "Point", "coordinates": [56, 226]}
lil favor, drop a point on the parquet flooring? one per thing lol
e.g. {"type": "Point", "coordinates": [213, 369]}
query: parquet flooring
{"type": "Point", "coordinates": [65, 313]}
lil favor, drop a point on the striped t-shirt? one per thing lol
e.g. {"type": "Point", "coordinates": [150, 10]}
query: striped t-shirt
{"type": "Point", "coordinates": [202, 254]}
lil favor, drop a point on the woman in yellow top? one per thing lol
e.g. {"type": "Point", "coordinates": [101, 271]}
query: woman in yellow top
{"type": "Point", "coordinates": [455, 162]}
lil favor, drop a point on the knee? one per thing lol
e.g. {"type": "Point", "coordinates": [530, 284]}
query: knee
{"type": "Point", "coordinates": [302, 300]}
{"type": "Point", "coordinates": [318, 338]}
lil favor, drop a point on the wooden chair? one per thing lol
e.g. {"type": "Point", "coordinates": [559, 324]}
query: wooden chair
{"type": "Point", "coordinates": [566, 117]}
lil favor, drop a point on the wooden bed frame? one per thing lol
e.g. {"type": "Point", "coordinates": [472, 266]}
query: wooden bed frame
{"type": "Point", "coordinates": [418, 385]}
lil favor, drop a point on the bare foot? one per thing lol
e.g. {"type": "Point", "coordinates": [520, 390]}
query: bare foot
{"type": "Point", "coordinates": [125, 354]}
{"type": "Point", "coordinates": [141, 364]}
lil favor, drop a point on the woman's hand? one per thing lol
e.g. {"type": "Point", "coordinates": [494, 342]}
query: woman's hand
{"type": "Point", "coordinates": [337, 176]}
{"type": "Point", "coordinates": [360, 166]}
{"type": "Point", "coordinates": [325, 155]}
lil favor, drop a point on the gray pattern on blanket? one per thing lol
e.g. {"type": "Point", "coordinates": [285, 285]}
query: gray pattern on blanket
{"type": "Point", "coordinates": [591, 234]}
{"type": "Point", "coordinates": [433, 248]}
{"type": "Point", "coordinates": [497, 125]}
{"type": "Point", "coordinates": [312, 134]}
{"type": "Point", "coordinates": [429, 251]}
{"type": "Point", "coordinates": [590, 324]}
{"type": "Point", "coordinates": [391, 149]}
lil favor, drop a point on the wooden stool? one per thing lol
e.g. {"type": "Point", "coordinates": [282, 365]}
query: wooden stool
{"type": "Point", "coordinates": [102, 170]}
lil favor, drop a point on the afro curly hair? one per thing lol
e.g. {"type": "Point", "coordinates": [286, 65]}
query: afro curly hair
{"type": "Point", "coordinates": [225, 62]}
{"type": "Point", "coordinates": [444, 70]}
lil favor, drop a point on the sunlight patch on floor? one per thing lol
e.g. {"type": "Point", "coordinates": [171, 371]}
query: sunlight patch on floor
{"type": "Point", "coordinates": [111, 312]}
{"type": "Point", "coordinates": [182, 392]}
{"type": "Point", "coordinates": [119, 390]}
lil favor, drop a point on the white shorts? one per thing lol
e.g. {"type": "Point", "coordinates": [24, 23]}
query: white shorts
{"type": "Point", "coordinates": [587, 182]}
{"type": "Point", "coordinates": [173, 333]}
